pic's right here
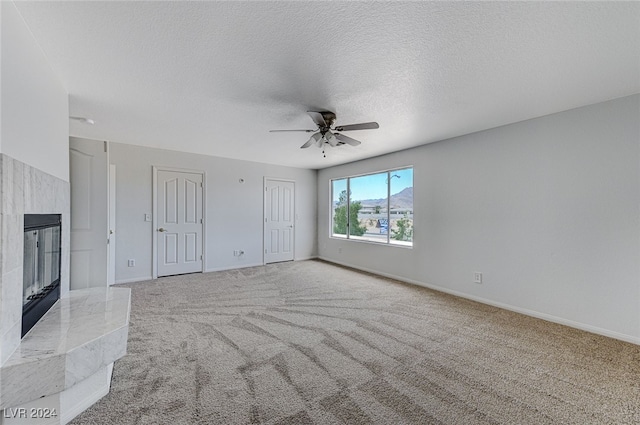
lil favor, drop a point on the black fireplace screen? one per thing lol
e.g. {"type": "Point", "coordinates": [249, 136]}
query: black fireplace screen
{"type": "Point", "coordinates": [41, 267]}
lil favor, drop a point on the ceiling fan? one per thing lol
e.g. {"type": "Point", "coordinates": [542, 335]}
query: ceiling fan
{"type": "Point", "coordinates": [326, 134]}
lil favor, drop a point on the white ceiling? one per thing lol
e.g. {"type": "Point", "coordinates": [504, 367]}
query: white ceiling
{"type": "Point", "coordinates": [215, 77]}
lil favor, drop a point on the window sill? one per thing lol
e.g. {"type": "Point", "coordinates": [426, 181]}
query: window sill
{"type": "Point", "coordinates": [397, 244]}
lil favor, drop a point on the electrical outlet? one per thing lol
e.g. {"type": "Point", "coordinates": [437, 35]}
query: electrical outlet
{"type": "Point", "coordinates": [339, 250]}
{"type": "Point", "coordinates": [147, 217]}
{"type": "Point", "coordinates": [131, 263]}
{"type": "Point", "coordinates": [477, 277]}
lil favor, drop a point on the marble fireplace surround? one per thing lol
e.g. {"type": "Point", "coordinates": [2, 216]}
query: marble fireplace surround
{"type": "Point", "coordinates": [25, 190]}
{"type": "Point", "coordinates": [76, 342]}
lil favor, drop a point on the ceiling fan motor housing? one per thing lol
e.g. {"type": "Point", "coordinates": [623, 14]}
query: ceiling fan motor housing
{"type": "Point", "coordinates": [332, 136]}
{"type": "Point", "coordinates": [329, 118]}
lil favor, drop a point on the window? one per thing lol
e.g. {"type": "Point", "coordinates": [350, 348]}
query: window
{"type": "Point", "coordinates": [374, 207]}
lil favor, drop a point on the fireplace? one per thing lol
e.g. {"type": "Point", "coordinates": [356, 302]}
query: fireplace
{"type": "Point", "coordinates": [41, 267]}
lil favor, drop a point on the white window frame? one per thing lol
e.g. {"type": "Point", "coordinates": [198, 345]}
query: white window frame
{"type": "Point", "coordinates": [348, 236]}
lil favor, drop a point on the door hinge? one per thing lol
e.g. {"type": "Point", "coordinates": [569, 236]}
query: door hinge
{"type": "Point", "coordinates": [200, 221]}
{"type": "Point", "coordinates": [201, 184]}
{"type": "Point", "coordinates": [107, 241]}
{"type": "Point", "coordinates": [105, 145]}
{"type": "Point", "coordinates": [201, 258]}
{"type": "Point", "coordinates": [265, 251]}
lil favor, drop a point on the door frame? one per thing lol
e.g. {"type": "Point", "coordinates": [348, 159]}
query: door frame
{"type": "Point", "coordinates": [264, 214]}
{"type": "Point", "coordinates": [154, 214]}
{"type": "Point", "coordinates": [111, 223]}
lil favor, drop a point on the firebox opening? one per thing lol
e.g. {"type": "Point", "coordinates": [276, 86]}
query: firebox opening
{"type": "Point", "coordinates": [41, 267]}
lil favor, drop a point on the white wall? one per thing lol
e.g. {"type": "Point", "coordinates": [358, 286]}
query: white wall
{"type": "Point", "coordinates": [34, 165]}
{"type": "Point", "coordinates": [234, 219]}
{"type": "Point", "coordinates": [547, 209]}
{"type": "Point", "coordinates": [35, 105]}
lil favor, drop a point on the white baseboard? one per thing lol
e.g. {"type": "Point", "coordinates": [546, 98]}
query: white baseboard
{"type": "Point", "coordinates": [244, 266]}
{"type": "Point", "coordinates": [209, 270]}
{"type": "Point", "coordinates": [133, 280]}
{"type": "Point", "coordinates": [312, 257]}
{"type": "Point", "coordinates": [240, 266]}
{"type": "Point", "coordinates": [526, 312]}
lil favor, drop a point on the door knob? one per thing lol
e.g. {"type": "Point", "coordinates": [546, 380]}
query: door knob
{"type": "Point", "coordinates": [162, 229]}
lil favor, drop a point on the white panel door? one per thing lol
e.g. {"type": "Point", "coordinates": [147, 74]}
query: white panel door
{"type": "Point", "coordinates": [179, 222]}
{"type": "Point", "coordinates": [279, 220]}
{"type": "Point", "coordinates": [89, 221]}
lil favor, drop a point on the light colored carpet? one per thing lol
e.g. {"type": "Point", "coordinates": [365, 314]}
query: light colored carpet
{"type": "Point", "coordinates": [310, 342]}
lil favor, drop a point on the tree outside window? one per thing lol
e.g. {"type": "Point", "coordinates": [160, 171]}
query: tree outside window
{"type": "Point", "coordinates": [340, 221]}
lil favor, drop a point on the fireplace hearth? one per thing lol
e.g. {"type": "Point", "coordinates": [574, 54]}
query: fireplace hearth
{"type": "Point", "coordinates": [41, 267]}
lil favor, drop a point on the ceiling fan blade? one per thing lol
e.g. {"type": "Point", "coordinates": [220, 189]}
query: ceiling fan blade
{"type": "Point", "coordinates": [331, 139]}
{"type": "Point", "coordinates": [312, 139]}
{"type": "Point", "coordinates": [317, 118]}
{"type": "Point", "coordinates": [280, 131]}
{"type": "Point", "coordinates": [362, 126]}
{"type": "Point", "coordinates": [348, 140]}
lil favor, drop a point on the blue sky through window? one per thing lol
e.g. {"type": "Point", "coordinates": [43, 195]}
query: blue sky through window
{"type": "Point", "coordinates": [374, 186]}
{"type": "Point", "coordinates": [338, 186]}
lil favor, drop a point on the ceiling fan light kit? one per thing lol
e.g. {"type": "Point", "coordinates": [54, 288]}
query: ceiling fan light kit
{"type": "Point", "coordinates": [325, 131]}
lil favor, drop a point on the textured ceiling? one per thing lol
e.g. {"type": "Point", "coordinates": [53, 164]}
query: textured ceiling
{"type": "Point", "coordinates": [215, 77]}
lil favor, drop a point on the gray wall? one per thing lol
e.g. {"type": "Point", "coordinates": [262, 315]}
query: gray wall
{"type": "Point", "coordinates": [234, 216]}
{"type": "Point", "coordinates": [547, 209]}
